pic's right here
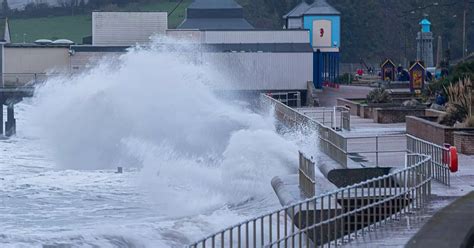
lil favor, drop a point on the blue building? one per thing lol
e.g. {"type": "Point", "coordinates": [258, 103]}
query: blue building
{"type": "Point", "coordinates": [324, 23]}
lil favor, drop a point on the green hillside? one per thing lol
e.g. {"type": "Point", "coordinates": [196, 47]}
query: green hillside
{"type": "Point", "coordinates": [79, 26]}
{"type": "Point", "coordinates": [69, 27]}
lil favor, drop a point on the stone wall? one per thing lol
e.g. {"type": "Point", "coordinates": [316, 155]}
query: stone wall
{"type": "Point", "coordinates": [464, 142]}
{"type": "Point", "coordinates": [395, 115]}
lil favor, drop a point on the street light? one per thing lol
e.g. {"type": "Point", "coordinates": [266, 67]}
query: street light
{"type": "Point", "coordinates": [464, 47]}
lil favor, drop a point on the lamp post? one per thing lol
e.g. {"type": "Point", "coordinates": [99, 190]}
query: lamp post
{"type": "Point", "coordinates": [464, 47]}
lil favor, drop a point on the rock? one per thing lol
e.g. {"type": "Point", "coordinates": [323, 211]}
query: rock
{"type": "Point", "coordinates": [459, 125]}
{"type": "Point", "coordinates": [437, 107]}
{"type": "Point", "coordinates": [413, 103]}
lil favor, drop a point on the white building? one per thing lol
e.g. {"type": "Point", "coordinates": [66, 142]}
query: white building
{"type": "Point", "coordinates": [254, 60]}
{"type": "Point", "coordinates": [126, 28]}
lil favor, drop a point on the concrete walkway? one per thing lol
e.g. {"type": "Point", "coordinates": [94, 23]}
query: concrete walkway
{"type": "Point", "coordinates": [453, 226]}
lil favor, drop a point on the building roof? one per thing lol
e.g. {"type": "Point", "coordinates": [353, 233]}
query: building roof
{"type": "Point", "coordinates": [297, 11]}
{"type": "Point", "coordinates": [319, 7]}
{"type": "Point", "coordinates": [388, 61]}
{"type": "Point", "coordinates": [261, 47]}
{"type": "Point", "coordinates": [417, 63]}
{"type": "Point", "coordinates": [219, 48]}
{"type": "Point", "coordinates": [216, 24]}
{"type": "Point", "coordinates": [214, 4]}
{"type": "Point", "coordinates": [214, 14]}
{"type": "Point", "coordinates": [33, 45]}
{"type": "Point", "coordinates": [425, 22]}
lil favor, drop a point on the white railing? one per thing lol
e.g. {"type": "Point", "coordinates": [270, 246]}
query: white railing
{"type": "Point", "coordinates": [440, 157]}
{"type": "Point", "coordinates": [336, 217]}
{"type": "Point", "coordinates": [291, 98]}
{"type": "Point", "coordinates": [330, 141]}
{"type": "Point", "coordinates": [338, 118]}
{"type": "Point", "coordinates": [13, 80]}
{"type": "Point", "coordinates": [307, 177]}
{"type": "Point", "coordinates": [335, 145]}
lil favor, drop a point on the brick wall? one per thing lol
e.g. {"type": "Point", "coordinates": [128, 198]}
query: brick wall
{"type": "Point", "coordinates": [365, 112]}
{"type": "Point", "coordinates": [428, 129]}
{"type": "Point", "coordinates": [394, 115]}
{"type": "Point", "coordinates": [464, 142]}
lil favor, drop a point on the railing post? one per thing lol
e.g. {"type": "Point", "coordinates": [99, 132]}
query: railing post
{"type": "Point", "coordinates": [377, 151]}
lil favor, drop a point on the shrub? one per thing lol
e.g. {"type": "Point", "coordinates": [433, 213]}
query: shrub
{"type": "Point", "coordinates": [459, 102]}
{"type": "Point", "coordinates": [454, 114]}
{"type": "Point", "coordinates": [345, 78]}
{"type": "Point", "coordinates": [379, 95]}
{"type": "Point", "coordinates": [462, 71]}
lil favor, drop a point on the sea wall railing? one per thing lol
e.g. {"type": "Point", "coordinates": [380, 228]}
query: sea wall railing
{"type": "Point", "coordinates": [440, 157]}
{"type": "Point", "coordinates": [338, 118]}
{"type": "Point", "coordinates": [11, 80]}
{"type": "Point", "coordinates": [335, 145]}
{"type": "Point", "coordinates": [331, 142]}
{"type": "Point", "coordinates": [290, 98]}
{"type": "Point", "coordinates": [336, 217]}
{"type": "Point", "coordinates": [375, 147]}
{"type": "Point", "coordinates": [306, 175]}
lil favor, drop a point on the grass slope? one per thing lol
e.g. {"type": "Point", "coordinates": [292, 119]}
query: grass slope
{"type": "Point", "coordinates": [76, 27]}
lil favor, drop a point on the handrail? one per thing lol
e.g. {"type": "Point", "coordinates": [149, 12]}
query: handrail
{"type": "Point", "coordinates": [307, 178]}
{"type": "Point", "coordinates": [441, 157]}
{"type": "Point", "coordinates": [335, 145]}
{"type": "Point", "coordinates": [330, 142]}
{"type": "Point", "coordinates": [277, 227]}
{"type": "Point", "coordinates": [25, 79]}
{"type": "Point", "coordinates": [343, 112]}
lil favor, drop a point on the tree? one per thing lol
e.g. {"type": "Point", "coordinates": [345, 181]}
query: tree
{"type": "Point", "coordinates": [67, 3]}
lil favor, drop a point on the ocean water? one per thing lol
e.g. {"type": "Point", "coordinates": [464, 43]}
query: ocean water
{"type": "Point", "coordinates": [194, 163]}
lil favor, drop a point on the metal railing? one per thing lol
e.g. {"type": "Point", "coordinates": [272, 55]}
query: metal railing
{"type": "Point", "coordinates": [338, 118]}
{"type": "Point", "coordinates": [330, 142]}
{"type": "Point", "coordinates": [374, 147]}
{"type": "Point", "coordinates": [345, 118]}
{"type": "Point", "coordinates": [292, 98]}
{"type": "Point", "coordinates": [306, 174]}
{"type": "Point", "coordinates": [336, 146]}
{"type": "Point", "coordinates": [440, 157]}
{"type": "Point", "coordinates": [333, 145]}
{"type": "Point", "coordinates": [22, 79]}
{"type": "Point", "coordinates": [336, 217]}
{"type": "Point", "coordinates": [12, 80]}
